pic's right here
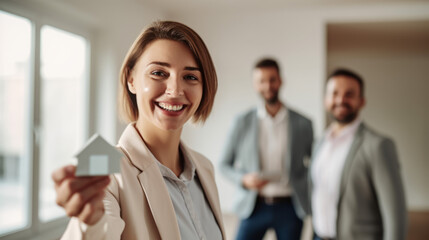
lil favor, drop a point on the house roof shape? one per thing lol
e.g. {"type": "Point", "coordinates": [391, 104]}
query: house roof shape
{"type": "Point", "coordinates": [98, 157]}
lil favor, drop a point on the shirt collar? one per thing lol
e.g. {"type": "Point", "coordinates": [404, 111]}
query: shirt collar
{"type": "Point", "coordinates": [280, 116]}
{"type": "Point", "coordinates": [188, 173]}
{"type": "Point", "coordinates": [350, 129]}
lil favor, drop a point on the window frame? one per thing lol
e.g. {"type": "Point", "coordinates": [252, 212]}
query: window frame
{"type": "Point", "coordinates": [39, 17]}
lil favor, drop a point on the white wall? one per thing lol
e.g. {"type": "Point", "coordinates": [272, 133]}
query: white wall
{"type": "Point", "coordinates": [395, 69]}
{"type": "Point", "coordinates": [296, 36]}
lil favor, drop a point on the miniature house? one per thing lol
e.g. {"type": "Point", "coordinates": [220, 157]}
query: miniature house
{"type": "Point", "coordinates": [98, 157]}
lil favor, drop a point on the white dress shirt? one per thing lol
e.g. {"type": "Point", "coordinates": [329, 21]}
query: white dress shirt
{"type": "Point", "coordinates": [326, 175]}
{"type": "Point", "coordinates": [272, 149]}
{"type": "Point", "coordinates": [194, 215]}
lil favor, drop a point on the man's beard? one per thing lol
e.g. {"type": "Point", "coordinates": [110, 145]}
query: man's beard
{"type": "Point", "coordinates": [348, 118]}
{"type": "Point", "coordinates": [272, 100]}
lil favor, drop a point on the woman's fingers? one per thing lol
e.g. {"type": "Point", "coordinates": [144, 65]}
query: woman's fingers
{"type": "Point", "coordinates": [74, 205]}
{"type": "Point", "coordinates": [93, 210]}
{"type": "Point", "coordinates": [71, 185]}
{"type": "Point", "coordinates": [81, 197]}
{"type": "Point", "coordinates": [63, 173]}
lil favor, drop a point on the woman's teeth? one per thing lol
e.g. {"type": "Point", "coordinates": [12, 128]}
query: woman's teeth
{"type": "Point", "coordinates": [169, 107]}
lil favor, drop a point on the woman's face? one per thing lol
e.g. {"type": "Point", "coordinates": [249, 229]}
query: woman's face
{"type": "Point", "coordinates": [167, 83]}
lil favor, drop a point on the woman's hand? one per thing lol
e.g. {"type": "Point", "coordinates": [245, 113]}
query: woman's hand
{"type": "Point", "coordinates": [81, 197]}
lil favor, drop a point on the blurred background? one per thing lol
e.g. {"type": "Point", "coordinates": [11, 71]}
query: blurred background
{"type": "Point", "coordinates": [60, 60]}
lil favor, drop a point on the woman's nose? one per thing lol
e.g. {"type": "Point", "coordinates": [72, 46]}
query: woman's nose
{"type": "Point", "coordinates": [174, 87]}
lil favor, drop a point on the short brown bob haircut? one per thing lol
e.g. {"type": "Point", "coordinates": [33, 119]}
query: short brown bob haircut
{"type": "Point", "coordinates": [177, 32]}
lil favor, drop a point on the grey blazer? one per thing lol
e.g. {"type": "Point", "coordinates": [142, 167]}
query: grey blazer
{"type": "Point", "coordinates": [371, 202]}
{"type": "Point", "coordinates": [241, 156]}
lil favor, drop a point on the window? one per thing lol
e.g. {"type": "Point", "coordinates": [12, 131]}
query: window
{"type": "Point", "coordinates": [15, 48]}
{"type": "Point", "coordinates": [43, 109]}
{"type": "Point", "coordinates": [63, 65]}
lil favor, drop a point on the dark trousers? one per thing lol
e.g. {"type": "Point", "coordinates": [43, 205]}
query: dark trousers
{"type": "Point", "coordinates": [279, 216]}
{"type": "Point", "coordinates": [315, 237]}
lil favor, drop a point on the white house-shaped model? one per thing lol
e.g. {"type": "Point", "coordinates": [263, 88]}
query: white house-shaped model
{"type": "Point", "coordinates": [98, 158]}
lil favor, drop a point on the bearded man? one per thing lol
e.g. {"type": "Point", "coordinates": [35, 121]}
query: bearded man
{"type": "Point", "coordinates": [267, 157]}
{"type": "Point", "coordinates": [357, 192]}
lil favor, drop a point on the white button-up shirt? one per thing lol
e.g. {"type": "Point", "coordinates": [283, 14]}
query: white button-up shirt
{"type": "Point", "coordinates": [272, 149]}
{"type": "Point", "coordinates": [193, 212]}
{"type": "Point", "coordinates": [326, 175]}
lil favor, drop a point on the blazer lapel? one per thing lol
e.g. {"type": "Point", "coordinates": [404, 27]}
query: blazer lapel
{"type": "Point", "coordinates": [291, 138]}
{"type": "Point", "coordinates": [151, 182]}
{"type": "Point", "coordinates": [160, 203]}
{"type": "Point", "coordinates": [349, 159]}
{"type": "Point", "coordinates": [254, 146]}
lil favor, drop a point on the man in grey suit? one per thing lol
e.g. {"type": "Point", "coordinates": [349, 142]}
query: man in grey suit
{"type": "Point", "coordinates": [266, 157]}
{"type": "Point", "coordinates": [357, 191]}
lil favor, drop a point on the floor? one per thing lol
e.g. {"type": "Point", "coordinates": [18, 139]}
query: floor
{"type": "Point", "coordinates": [418, 227]}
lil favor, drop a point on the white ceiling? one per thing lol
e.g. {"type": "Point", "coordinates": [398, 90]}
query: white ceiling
{"type": "Point", "coordinates": [178, 7]}
{"type": "Point", "coordinates": [96, 10]}
{"type": "Point", "coordinates": [187, 6]}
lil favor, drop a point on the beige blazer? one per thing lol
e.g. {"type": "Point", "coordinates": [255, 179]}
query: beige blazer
{"type": "Point", "coordinates": [137, 203]}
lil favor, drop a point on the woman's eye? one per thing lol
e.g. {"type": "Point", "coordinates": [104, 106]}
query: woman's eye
{"type": "Point", "coordinates": [158, 73]}
{"type": "Point", "coordinates": [191, 77]}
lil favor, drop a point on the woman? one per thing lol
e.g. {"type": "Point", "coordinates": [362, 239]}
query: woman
{"type": "Point", "coordinates": [165, 190]}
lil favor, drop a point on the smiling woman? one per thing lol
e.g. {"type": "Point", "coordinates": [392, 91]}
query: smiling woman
{"type": "Point", "coordinates": [165, 190]}
{"type": "Point", "coordinates": [195, 46]}
{"type": "Point", "coordinates": [167, 84]}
